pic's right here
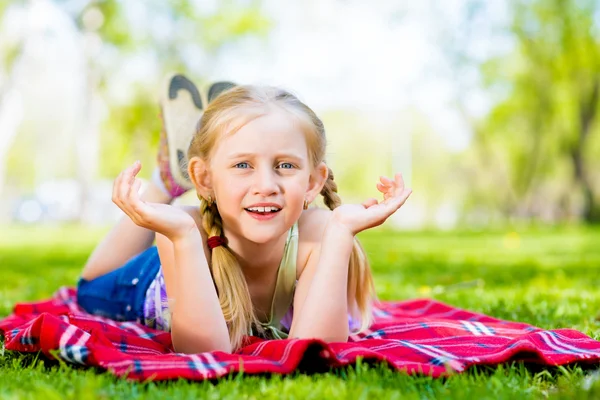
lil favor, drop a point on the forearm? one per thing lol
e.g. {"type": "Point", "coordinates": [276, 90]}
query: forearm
{"type": "Point", "coordinates": [198, 324]}
{"type": "Point", "coordinates": [324, 313]}
{"type": "Point", "coordinates": [124, 241]}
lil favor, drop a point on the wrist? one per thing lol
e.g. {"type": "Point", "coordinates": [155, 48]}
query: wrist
{"type": "Point", "coordinates": [338, 230]}
{"type": "Point", "coordinates": [335, 225]}
{"type": "Point", "coordinates": [187, 238]}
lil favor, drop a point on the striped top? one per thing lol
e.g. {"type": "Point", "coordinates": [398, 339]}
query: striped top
{"type": "Point", "coordinates": [157, 306]}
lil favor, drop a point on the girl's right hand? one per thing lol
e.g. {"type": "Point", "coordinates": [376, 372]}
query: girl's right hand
{"type": "Point", "coordinates": [165, 219]}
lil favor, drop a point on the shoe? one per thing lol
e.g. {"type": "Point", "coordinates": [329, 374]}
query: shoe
{"type": "Point", "coordinates": [217, 88]}
{"type": "Point", "coordinates": [181, 108]}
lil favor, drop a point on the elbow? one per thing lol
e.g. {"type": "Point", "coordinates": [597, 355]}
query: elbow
{"type": "Point", "coordinates": [328, 332]}
{"type": "Point", "coordinates": [326, 339]}
{"type": "Point", "coordinates": [190, 341]}
{"type": "Point", "coordinates": [335, 339]}
{"type": "Point", "coordinates": [199, 346]}
{"type": "Point", "coordinates": [329, 337]}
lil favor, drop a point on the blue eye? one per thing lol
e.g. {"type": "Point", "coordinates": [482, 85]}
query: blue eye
{"type": "Point", "coordinates": [242, 163]}
{"type": "Point", "coordinates": [287, 165]}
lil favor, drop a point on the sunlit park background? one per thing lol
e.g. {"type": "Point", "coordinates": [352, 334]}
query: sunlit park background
{"type": "Point", "coordinates": [489, 108]}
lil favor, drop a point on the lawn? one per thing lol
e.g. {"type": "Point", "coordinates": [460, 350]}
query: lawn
{"type": "Point", "coordinates": [549, 277]}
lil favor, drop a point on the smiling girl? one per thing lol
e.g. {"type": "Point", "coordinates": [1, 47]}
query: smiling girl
{"type": "Point", "coordinates": [253, 258]}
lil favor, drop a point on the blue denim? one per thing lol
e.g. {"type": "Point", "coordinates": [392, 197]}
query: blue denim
{"type": "Point", "coordinates": [120, 294]}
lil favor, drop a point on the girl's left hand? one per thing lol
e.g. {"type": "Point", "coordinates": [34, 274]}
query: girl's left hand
{"type": "Point", "coordinates": [371, 213]}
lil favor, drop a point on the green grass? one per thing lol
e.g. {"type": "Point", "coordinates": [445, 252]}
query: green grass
{"type": "Point", "coordinates": [546, 277]}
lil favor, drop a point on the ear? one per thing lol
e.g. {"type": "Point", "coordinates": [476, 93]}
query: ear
{"type": "Point", "coordinates": [317, 180]}
{"type": "Point", "coordinates": [200, 176]}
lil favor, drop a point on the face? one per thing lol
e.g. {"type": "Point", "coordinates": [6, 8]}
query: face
{"type": "Point", "coordinates": [264, 164]}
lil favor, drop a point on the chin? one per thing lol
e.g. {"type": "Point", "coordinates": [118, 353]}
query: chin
{"type": "Point", "coordinates": [264, 234]}
{"type": "Point", "coordinates": [261, 236]}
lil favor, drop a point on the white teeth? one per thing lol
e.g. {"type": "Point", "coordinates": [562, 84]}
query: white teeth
{"type": "Point", "coordinates": [263, 209]}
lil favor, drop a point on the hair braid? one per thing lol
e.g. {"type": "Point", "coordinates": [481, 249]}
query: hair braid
{"type": "Point", "coordinates": [211, 221]}
{"type": "Point", "coordinates": [330, 197]}
{"type": "Point", "coordinates": [232, 289]}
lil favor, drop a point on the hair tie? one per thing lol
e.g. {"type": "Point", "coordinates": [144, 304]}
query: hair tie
{"type": "Point", "coordinates": [216, 241]}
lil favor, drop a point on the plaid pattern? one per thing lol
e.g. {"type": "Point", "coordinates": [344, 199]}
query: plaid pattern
{"type": "Point", "coordinates": [416, 336]}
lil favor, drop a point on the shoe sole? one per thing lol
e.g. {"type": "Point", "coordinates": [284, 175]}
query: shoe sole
{"type": "Point", "coordinates": [217, 88]}
{"type": "Point", "coordinates": [181, 110]}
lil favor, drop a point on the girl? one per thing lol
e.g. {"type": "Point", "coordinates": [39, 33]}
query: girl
{"type": "Point", "coordinates": [252, 258]}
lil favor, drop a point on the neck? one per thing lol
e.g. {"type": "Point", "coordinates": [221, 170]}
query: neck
{"type": "Point", "coordinates": [256, 258]}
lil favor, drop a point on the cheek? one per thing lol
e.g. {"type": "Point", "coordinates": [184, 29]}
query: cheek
{"type": "Point", "coordinates": [296, 194]}
{"type": "Point", "coordinates": [231, 195]}
{"type": "Point", "coordinates": [298, 191]}
{"type": "Point", "coordinates": [229, 191]}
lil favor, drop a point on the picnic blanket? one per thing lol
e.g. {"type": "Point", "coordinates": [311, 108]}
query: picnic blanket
{"type": "Point", "coordinates": [417, 336]}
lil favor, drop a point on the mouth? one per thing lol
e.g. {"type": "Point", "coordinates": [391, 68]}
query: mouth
{"type": "Point", "coordinates": [268, 210]}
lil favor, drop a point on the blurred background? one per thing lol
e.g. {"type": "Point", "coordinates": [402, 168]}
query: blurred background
{"type": "Point", "coordinates": [489, 108]}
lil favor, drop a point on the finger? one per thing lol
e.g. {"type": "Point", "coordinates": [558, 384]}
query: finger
{"type": "Point", "coordinates": [399, 181]}
{"type": "Point", "coordinates": [116, 185]}
{"type": "Point", "coordinates": [125, 180]}
{"type": "Point", "coordinates": [133, 170]}
{"type": "Point", "coordinates": [122, 188]}
{"type": "Point", "coordinates": [369, 202]}
{"type": "Point", "coordinates": [133, 198]}
{"type": "Point", "coordinates": [138, 210]}
{"type": "Point", "coordinates": [382, 188]}
{"type": "Point", "coordinates": [388, 191]}
{"type": "Point", "coordinates": [390, 206]}
{"type": "Point", "coordinates": [399, 200]}
{"type": "Point", "coordinates": [395, 198]}
{"type": "Point", "coordinates": [386, 181]}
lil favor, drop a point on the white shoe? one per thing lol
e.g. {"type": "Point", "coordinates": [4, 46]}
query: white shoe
{"type": "Point", "coordinates": [181, 109]}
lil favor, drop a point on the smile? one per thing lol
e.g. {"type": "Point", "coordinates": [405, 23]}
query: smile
{"type": "Point", "coordinates": [262, 213]}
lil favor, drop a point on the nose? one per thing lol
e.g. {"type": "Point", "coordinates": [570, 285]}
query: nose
{"type": "Point", "coordinates": [266, 182]}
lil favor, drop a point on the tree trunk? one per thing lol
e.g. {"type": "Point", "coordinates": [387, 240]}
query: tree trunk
{"type": "Point", "coordinates": [11, 115]}
{"type": "Point", "coordinates": [587, 114]}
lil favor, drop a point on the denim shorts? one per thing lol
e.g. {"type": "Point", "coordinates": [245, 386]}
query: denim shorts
{"type": "Point", "coordinates": [120, 294]}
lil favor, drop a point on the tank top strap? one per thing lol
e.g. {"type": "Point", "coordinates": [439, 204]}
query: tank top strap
{"type": "Point", "coordinates": [286, 279]}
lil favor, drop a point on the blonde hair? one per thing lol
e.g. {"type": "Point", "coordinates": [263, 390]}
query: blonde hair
{"type": "Point", "coordinates": [228, 113]}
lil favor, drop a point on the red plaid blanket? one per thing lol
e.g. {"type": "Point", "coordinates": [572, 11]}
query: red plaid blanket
{"type": "Point", "coordinates": [416, 336]}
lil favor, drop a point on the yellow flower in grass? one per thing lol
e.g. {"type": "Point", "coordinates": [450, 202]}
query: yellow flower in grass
{"type": "Point", "coordinates": [512, 241]}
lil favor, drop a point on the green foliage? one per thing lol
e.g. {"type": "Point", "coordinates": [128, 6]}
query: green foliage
{"type": "Point", "coordinates": [115, 29]}
{"type": "Point", "coordinates": [4, 5]}
{"type": "Point", "coordinates": [231, 20]}
{"type": "Point", "coordinates": [8, 51]}
{"type": "Point", "coordinates": [131, 130]}
{"type": "Point", "coordinates": [169, 34]}
{"type": "Point", "coordinates": [132, 133]}
{"type": "Point", "coordinates": [544, 128]}
{"type": "Point", "coordinates": [543, 276]}
{"type": "Point", "coordinates": [9, 54]}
